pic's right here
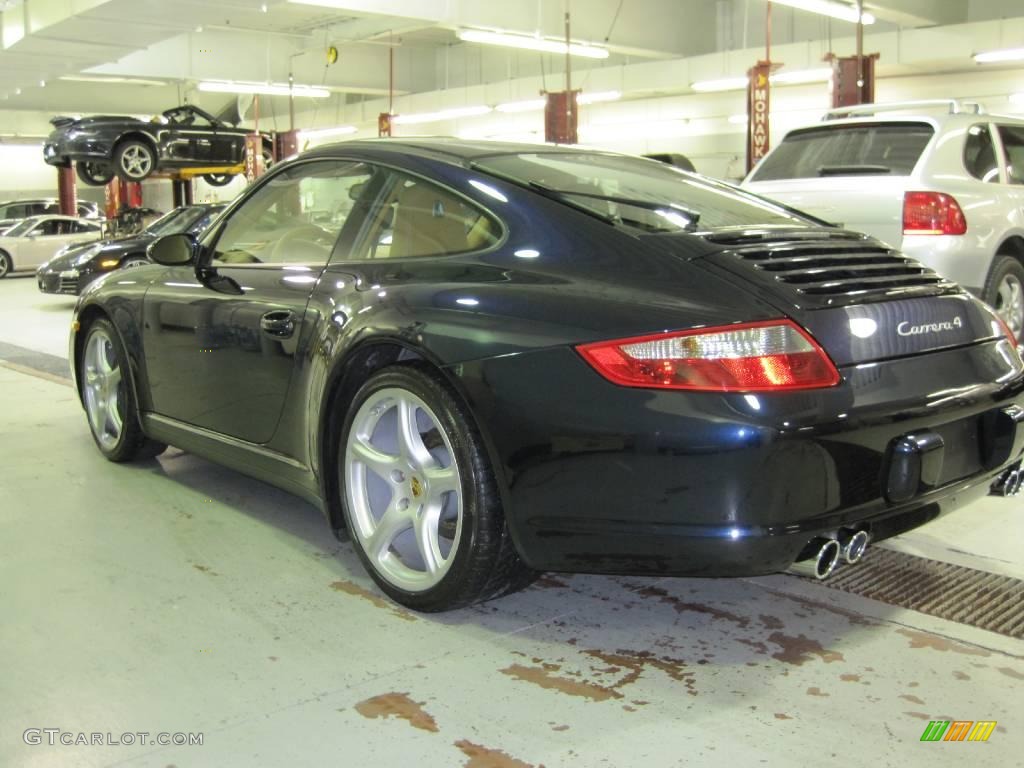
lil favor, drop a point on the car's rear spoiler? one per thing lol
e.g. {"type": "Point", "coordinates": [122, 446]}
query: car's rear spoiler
{"type": "Point", "coordinates": [62, 120]}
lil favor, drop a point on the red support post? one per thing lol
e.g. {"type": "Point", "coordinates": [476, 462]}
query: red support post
{"type": "Point", "coordinates": [561, 117]}
{"type": "Point", "coordinates": [66, 191]}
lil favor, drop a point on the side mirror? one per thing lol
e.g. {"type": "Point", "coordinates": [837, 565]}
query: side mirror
{"type": "Point", "coordinates": [173, 250]}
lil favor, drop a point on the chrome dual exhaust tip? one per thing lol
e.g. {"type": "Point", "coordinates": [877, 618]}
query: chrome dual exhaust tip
{"type": "Point", "coordinates": [821, 563]}
{"type": "Point", "coordinates": [1009, 483]}
{"type": "Point", "coordinates": [853, 545]}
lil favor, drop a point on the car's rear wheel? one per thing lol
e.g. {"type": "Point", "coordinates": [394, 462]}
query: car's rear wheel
{"type": "Point", "coordinates": [6, 265]}
{"type": "Point", "coordinates": [218, 179]}
{"type": "Point", "coordinates": [109, 397]}
{"type": "Point", "coordinates": [134, 160]}
{"type": "Point", "coordinates": [419, 496]}
{"type": "Point", "coordinates": [1005, 293]}
{"type": "Point", "coordinates": [94, 174]}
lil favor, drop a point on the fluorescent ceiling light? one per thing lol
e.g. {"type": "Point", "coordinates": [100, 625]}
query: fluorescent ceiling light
{"type": "Point", "coordinates": [1007, 54]}
{"type": "Point", "coordinates": [324, 133]}
{"type": "Point", "coordinates": [722, 84]}
{"type": "Point", "coordinates": [797, 76]}
{"type": "Point", "coordinates": [508, 40]}
{"type": "Point", "coordinates": [264, 89]}
{"type": "Point", "coordinates": [444, 114]}
{"type": "Point", "coordinates": [530, 105]}
{"type": "Point", "coordinates": [111, 80]}
{"type": "Point", "coordinates": [842, 11]}
{"type": "Point", "coordinates": [794, 77]}
{"type": "Point", "coordinates": [592, 98]}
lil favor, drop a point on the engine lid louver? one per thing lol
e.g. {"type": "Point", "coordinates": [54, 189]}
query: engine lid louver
{"type": "Point", "coordinates": [830, 268]}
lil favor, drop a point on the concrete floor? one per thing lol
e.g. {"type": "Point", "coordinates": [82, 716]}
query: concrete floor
{"type": "Point", "coordinates": [176, 596]}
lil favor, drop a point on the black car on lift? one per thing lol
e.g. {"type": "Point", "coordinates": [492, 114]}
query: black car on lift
{"type": "Point", "coordinates": [484, 360]}
{"type": "Point", "coordinates": [103, 147]}
{"type": "Point", "coordinates": [78, 265]}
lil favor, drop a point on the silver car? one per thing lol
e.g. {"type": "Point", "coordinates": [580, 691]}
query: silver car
{"type": "Point", "coordinates": [36, 240]}
{"type": "Point", "coordinates": [947, 189]}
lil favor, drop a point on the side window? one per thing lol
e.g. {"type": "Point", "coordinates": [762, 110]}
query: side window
{"type": "Point", "coordinates": [48, 228]}
{"type": "Point", "coordinates": [980, 154]}
{"type": "Point", "coordinates": [1013, 144]}
{"type": "Point", "coordinates": [417, 218]}
{"type": "Point", "coordinates": [295, 218]}
{"type": "Point", "coordinates": [81, 226]}
{"type": "Point", "coordinates": [16, 212]}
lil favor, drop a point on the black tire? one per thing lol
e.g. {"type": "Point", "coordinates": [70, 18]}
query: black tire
{"type": "Point", "coordinates": [134, 160]}
{"type": "Point", "coordinates": [1006, 270]}
{"type": "Point", "coordinates": [131, 444]}
{"type": "Point", "coordinates": [218, 179]}
{"type": "Point", "coordinates": [94, 174]}
{"type": "Point", "coordinates": [486, 564]}
{"type": "Point", "coordinates": [6, 264]}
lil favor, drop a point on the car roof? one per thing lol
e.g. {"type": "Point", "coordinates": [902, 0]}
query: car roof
{"type": "Point", "coordinates": [23, 200]}
{"type": "Point", "coordinates": [942, 120]}
{"type": "Point", "coordinates": [59, 217]}
{"type": "Point", "coordinates": [447, 147]}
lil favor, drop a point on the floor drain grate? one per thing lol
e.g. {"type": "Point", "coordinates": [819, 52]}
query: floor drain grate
{"type": "Point", "coordinates": [964, 595]}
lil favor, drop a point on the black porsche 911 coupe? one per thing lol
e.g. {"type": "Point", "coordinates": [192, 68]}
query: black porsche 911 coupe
{"type": "Point", "coordinates": [71, 270]}
{"type": "Point", "coordinates": [487, 360]}
{"type": "Point", "coordinates": [103, 147]}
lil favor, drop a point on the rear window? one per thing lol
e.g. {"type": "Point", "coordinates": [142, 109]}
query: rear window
{"type": "Point", "coordinates": [879, 149]}
{"type": "Point", "coordinates": [640, 193]}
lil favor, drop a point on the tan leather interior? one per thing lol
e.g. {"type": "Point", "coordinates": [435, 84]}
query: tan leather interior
{"type": "Point", "coordinates": [427, 222]}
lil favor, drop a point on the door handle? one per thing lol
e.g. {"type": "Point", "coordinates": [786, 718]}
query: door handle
{"type": "Point", "coordinates": [279, 323]}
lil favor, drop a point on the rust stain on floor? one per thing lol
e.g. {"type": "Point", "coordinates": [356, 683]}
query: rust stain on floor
{"type": "Point", "coordinates": [546, 678]}
{"type": "Point", "coordinates": [816, 691]}
{"type": "Point", "coordinates": [484, 757]}
{"type": "Point", "coordinates": [850, 678]}
{"type": "Point", "coordinates": [1010, 673]}
{"type": "Point", "coordinates": [351, 588]}
{"type": "Point", "coordinates": [781, 716]}
{"type": "Point", "coordinates": [918, 715]}
{"type": "Point", "coordinates": [397, 705]}
{"type": "Point", "coordinates": [771, 622]}
{"type": "Point", "coordinates": [206, 569]}
{"type": "Point", "coordinates": [912, 698]}
{"type": "Point", "coordinates": [681, 606]}
{"type": "Point", "coordinates": [637, 661]}
{"type": "Point", "coordinates": [961, 675]}
{"type": "Point", "coordinates": [939, 643]}
{"type": "Point", "coordinates": [797, 650]}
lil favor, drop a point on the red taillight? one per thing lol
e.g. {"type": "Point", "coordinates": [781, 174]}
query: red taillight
{"type": "Point", "coordinates": [932, 213]}
{"type": "Point", "coordinates": [752, 357]}
{"type": "Point", "coordinates": [1009, 334]}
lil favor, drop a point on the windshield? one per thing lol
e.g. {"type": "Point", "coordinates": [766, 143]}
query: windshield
{"type": "Point", "coordinates": [177, 221]}
{"type": "Point", "coordinates": [21, 228]}
{"type": "Point", "coordinates": [641, 193]}
{"type": "Point", "coordinates": [882, 149]}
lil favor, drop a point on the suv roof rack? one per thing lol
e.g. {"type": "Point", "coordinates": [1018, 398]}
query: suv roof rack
{"type": "Point", "coordinates": [954, 106]}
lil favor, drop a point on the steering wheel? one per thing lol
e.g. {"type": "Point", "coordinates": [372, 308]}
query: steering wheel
{"type": "Point", "coordinates": [307, 236]}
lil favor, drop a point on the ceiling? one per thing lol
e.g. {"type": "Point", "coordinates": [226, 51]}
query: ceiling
{"type": "Point", "coordinates": [171, 46]}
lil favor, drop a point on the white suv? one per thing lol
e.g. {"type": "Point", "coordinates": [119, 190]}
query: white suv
{"type": "Point", "coordinates": [947, 189]}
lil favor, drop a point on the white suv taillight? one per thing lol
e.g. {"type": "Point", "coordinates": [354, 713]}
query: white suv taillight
{"type": "Point", "coordinates": [932, 213]}
{"type": "Point", "coordinates": [752, 357]}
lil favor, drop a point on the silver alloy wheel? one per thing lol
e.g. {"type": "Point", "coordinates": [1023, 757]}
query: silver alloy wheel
{"type": "Point", "coordinates": [136, 161]}
{"type": "Point", "coordinates": [5, 264]}
{"type": "Point", "coordinates": [403, 489]}
{"type": "Point", "coordinates": [135, 263]}
{"type": "Point", "coordinates": [1010, 303]}
{"type": "Point", "coordinates": [103, 390]}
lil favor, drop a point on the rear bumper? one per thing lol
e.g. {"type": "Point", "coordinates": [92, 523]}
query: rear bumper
{"type": "Point", "coordinates": [62, 152]}
{"type": "Point", "coordinates": [956, 257]}
{"type": "Point", "coordinates": [600, 478]}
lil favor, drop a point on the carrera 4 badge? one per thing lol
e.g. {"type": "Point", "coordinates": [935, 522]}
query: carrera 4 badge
{"type": "Point", "coordinates": [906, 329]}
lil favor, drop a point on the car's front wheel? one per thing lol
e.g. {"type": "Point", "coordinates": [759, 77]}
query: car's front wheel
{"type": "Point", "coordinates": [133, 262]}
{"type": "Point", "coordinates": [134, 160]}
{"type": "Point", "coordinates": [6, 265]}
{"type": "Point", "coordinates": [218, 179]}
{"type": "Point", "coordinates": [109, 397]}
{"type": "Point", "coordinates": [1005, 293]}
{"type": "Point", "coordinates": [94, 174]}
{"type": "Point", "coordinates": [419, 496]}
